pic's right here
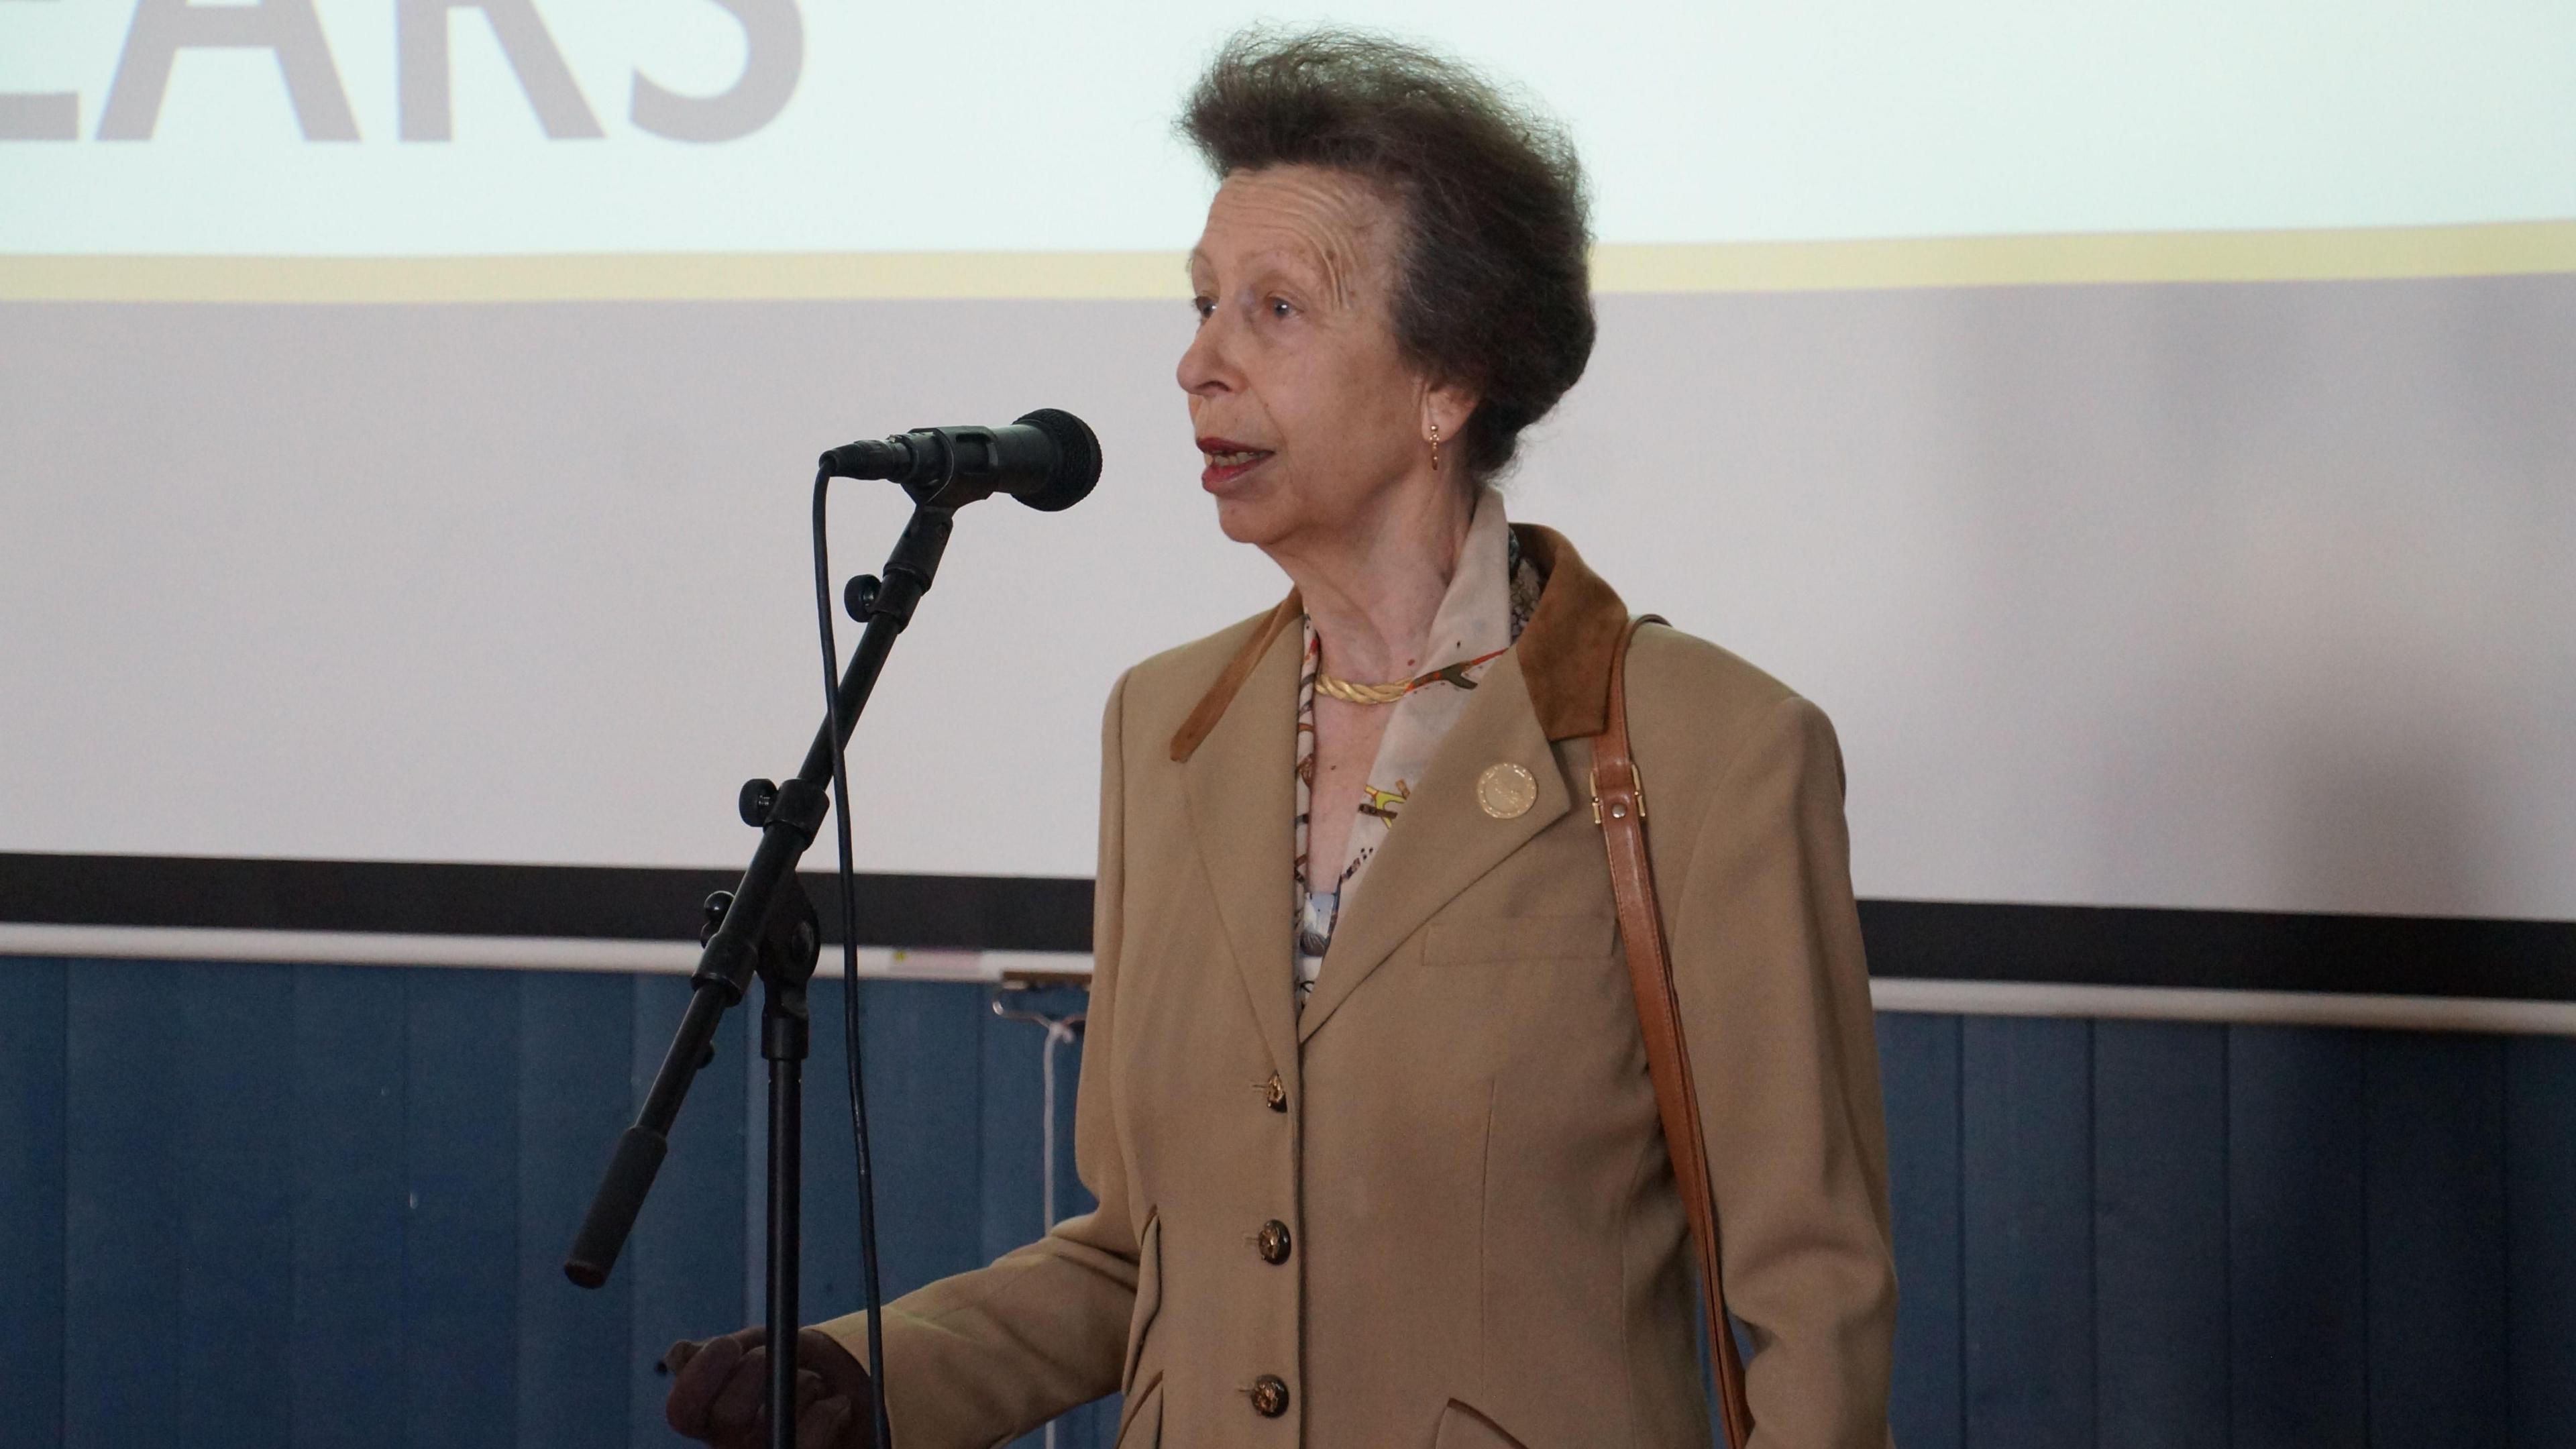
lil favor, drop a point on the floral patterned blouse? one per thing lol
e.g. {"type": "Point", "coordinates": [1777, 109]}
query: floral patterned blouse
{"type": "Point", "coordinates": [1489, 602]}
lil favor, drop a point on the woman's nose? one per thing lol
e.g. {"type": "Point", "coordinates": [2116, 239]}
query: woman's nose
{"type": "Point", "coordinates": [1205, 366]}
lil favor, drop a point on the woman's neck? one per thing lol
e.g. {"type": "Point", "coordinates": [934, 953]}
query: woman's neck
{"type": "Point", "coordinates": [1372, 590]}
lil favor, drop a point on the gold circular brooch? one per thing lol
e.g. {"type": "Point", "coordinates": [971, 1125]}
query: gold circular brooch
{"type": "Point", "coordinates": [1506, 791]}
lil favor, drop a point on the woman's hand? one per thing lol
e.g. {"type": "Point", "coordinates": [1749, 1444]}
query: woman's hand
{"type": "Point", "coordinates": [718, 1389]}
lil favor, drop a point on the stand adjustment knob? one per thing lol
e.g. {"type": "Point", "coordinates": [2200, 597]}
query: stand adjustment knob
{"type": "Point", "coordinates": [860, 596]}
{"type": "Point", "coordinates": [711, 915]}
{"type": "Point", "coordinates": [758, 797]}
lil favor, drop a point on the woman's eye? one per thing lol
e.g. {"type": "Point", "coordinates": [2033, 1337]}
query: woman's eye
{"type": "Point", "coordinates": [1280, 309]}
{"type": "Point", "coordinates": [1203, 306]}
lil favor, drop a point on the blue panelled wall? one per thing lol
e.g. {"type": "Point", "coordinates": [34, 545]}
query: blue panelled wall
{"type": "Point", "coordinates": [324, 1205]}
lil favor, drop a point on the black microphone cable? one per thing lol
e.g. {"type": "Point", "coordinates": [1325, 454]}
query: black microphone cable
{"type": "Point", "coordinates": [850, 1018]}
{"type": "Point", "coordinates": [1052, 459]}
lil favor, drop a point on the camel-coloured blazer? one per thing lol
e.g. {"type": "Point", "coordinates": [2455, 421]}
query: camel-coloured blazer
{"type": "Point", "coordinates": [1434, 1210]}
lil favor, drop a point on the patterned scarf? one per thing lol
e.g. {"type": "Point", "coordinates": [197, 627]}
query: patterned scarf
{"type": "Point", "coordinates": [1489, 602]}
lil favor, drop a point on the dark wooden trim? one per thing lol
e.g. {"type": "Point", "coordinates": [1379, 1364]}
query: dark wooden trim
{"type": "Point", "coordinates": [1924, 940]}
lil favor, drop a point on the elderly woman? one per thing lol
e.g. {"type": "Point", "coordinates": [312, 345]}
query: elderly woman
{"type": "Point", "coordinates": [1365, 1101]}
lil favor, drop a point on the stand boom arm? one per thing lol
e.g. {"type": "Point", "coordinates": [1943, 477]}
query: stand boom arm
{"type": "Point", "coordinates": [793, 812]}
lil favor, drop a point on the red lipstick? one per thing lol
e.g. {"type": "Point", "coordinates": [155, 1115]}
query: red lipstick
{"type": "Point", "coordinates": [1228, 460]}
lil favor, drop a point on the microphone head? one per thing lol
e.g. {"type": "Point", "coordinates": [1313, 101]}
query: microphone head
{"type": "Point", "coordinates": [1077, 460]}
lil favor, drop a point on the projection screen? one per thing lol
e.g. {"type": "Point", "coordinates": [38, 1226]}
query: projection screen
{"type": "Point", "coordinates": [2150, 433]}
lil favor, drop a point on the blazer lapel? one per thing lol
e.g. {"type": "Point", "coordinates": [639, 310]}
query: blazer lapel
{"type": "Point", "coordinates": [1445, 840]}
{"type": "Point", "coordinates": [1239, 777]}
{"type": "Point", "coordinates": [1238, 766]}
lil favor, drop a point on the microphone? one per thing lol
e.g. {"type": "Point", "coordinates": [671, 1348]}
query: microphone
{"type": "Point", "coordinates": [1048, 460]}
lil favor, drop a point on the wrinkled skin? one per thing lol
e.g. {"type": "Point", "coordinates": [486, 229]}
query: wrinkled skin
{"type": "Point", "coordinates": [718, 1389]}
{"type": "Point", "coordinates": [1296, 360]}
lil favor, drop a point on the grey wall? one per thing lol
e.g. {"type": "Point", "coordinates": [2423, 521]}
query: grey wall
{"type": "Point", "coordinates": [2246, 596]}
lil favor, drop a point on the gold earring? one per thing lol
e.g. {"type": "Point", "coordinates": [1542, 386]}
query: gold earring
{"type": "Point", "coordinates": [1435, 447]}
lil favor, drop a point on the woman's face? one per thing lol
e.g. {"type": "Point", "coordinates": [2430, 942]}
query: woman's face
{"type": "Point", "coordinates": [1310, 418]}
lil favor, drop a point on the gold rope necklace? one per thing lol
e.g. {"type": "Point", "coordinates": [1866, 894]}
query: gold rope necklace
{"type": "Point", "coordinates": [1353, 692]}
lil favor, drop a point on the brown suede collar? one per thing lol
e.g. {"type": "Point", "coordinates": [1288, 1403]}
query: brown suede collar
{"type": "Point", "coordinates": [1564, 653]}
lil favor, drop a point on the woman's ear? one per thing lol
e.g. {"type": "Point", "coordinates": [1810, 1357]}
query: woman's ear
{"type": "Point", "coordinates": [1446, 408]}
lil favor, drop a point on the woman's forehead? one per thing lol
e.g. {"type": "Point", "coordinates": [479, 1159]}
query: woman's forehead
{"type": "Point", "coordinates": [1309, 217]}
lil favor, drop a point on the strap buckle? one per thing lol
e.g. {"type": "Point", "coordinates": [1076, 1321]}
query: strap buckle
{"type": "Point", "coordinates": [1637, 778]}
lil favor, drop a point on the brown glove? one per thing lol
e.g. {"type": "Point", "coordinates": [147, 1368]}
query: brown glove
{"type": "Point", "coordinates": [718, 1390]}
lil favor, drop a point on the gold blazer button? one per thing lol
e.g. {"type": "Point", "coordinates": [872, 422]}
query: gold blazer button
{"type": "Point", "coordinates": [1506, 791]}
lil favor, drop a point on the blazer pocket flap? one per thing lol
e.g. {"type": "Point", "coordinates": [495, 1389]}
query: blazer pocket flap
{"type": "Point", "coordinates": [1521, 938]}
{"type": "Point", "coordinates": [1463, 1428]}
{"type": "Point", "coordinates": [1149, 1296]}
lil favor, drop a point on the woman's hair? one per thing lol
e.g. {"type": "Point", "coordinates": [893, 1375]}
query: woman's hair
{"type": "Point", "coordinates": [1493, 290]}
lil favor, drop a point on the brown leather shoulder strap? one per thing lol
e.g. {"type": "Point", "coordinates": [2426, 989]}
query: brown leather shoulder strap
{"type": "Point", "coordinates": [1619, 807]}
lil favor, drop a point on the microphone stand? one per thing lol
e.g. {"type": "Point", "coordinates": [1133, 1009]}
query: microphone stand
{"type": "Point", "coordinates": [767, 927]}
